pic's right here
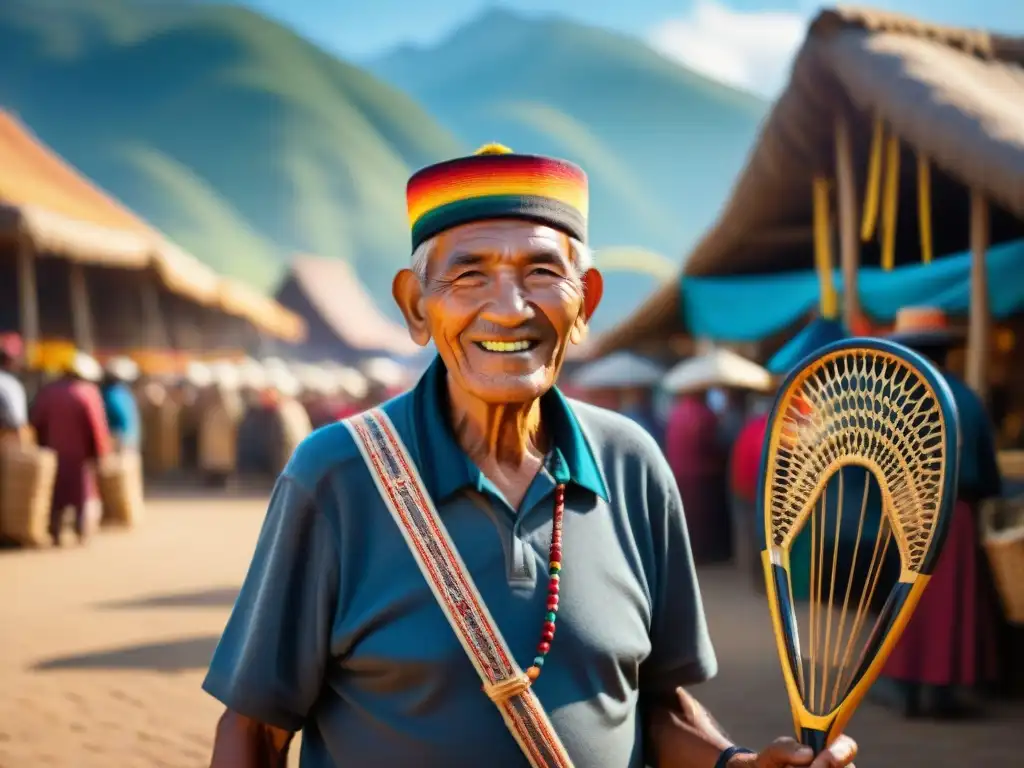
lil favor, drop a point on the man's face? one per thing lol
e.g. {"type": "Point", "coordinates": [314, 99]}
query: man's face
{"type": "Point", "coordinates": [502, 302]}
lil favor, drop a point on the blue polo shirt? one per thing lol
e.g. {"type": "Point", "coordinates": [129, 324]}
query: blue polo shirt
{"type": "Point", "coordinates": [335, 632]}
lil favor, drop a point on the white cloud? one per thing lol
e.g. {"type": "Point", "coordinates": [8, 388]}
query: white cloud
{"type": "Point", "coordinates": [750, 50]}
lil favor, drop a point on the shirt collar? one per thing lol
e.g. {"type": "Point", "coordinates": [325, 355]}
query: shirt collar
{"type": "Point", "coordinates": [446, 468]}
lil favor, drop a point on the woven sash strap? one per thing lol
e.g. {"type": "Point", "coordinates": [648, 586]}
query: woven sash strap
{"type": "Point", "coordinates": [403, 492]}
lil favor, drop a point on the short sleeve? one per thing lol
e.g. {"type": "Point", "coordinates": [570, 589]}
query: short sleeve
{"type": "Point", "coordinates": [271, 660]}
{"type": "Point", "coordinates": [681, 650]}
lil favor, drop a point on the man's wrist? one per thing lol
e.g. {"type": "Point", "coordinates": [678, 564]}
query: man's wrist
{"type": "Point", "coordinates": [735, 757]}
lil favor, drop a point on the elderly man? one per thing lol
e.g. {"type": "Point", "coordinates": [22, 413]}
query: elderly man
{"type": "Point", "coordinates": [371, 636]}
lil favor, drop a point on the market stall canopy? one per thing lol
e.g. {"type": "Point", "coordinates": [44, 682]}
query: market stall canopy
{"type": "Point", "coordinates": [265, 313]}
{"type": "Point", "coordinates": [60, 210]}
{"type": "Point", "coordinates": [186, 275]}
{"type": "Point", "coordinates": [327, 292]}
{"type": "Point", "coordinates": [619, 370]}
{"type": "Point", "coordinates": [735, 307]}
{"type": "Point", "coordinates": [954, 96]}
{"type": "Point", "coordinates": [719, 368]}
{"type": "Point", "coordinates": [45, 199]}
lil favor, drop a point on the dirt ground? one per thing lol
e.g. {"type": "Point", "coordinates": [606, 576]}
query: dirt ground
{"type": "Point", "coordinates": [102, 650]}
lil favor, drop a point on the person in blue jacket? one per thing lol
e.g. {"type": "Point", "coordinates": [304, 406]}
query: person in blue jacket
{"type": "Point", "coordinates": [120, 405]}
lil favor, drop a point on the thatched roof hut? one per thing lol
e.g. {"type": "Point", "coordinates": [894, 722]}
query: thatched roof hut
{"type": "Point", "coordinates": [343, 321]}
{"type": "Point", "coordinates": [72, 241]}
{"type": "Point", "coordinates": [953, 97]}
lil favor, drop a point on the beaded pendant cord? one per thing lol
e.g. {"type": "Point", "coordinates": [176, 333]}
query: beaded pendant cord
{"type": "Point", "coordinates": [547, 633]}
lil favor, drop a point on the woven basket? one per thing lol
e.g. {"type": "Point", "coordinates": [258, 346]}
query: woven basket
{"type": "Point", "coordinates": [161, 437]}
{"type": "Point", "coordinates": [120, 482]}
{"type": "Point", "coordinates": [1003, 537]}
{"type": "Point", "coordinates": [27, 475]}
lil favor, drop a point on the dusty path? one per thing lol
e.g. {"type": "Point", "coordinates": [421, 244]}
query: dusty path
{"type": "Point", "coordinates": [102, 651]}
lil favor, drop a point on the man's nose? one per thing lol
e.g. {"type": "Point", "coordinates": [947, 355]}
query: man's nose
{"type": "Point", "coordinates": [508, 305]}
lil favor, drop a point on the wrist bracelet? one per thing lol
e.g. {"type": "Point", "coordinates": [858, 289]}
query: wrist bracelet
{"type": "Point", "coordinates": [729, 753]}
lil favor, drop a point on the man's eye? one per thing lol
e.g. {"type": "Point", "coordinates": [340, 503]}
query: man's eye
{"type": "Point", "coordinates": [544, 271]}
{"type": "Point", "coordinates": [470, 275]}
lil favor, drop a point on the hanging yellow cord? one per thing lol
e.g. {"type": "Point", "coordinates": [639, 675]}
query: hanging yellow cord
{"type": "Point", "coordinates": [870, 220]}
{"type": "Point", "coordinates": [924, 207]}
{"type": "Point", "coordinates": [823, 249]}
{"type": "Point", "coordinates": [890, 202]}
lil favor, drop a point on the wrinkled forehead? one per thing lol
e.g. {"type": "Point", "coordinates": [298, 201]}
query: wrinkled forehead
{"type": "Point", "coordinates": [500, 239]}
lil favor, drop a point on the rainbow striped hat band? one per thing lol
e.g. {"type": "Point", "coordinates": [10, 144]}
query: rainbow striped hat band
{"type": "Point", "coordinates": [496, 183]}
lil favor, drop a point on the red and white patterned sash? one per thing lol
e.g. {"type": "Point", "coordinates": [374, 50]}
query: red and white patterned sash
{"type": "Point", "coordinates": [402, 490]}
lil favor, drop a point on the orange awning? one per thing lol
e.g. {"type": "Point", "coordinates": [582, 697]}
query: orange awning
{"type": "Point", "coordinates": [61, 209]}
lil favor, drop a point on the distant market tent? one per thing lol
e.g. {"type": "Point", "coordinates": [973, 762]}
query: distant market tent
{"type": "Point", "coordinates": [619, 371]}
{"type": "Point", "coordinates": [343, 322]}
{"type": "Point", "coordinates": [718, 368]}
{"type": "Point", "coordinates": [907, 128]}
{"type": "Point", "coordinates": [86, 270]}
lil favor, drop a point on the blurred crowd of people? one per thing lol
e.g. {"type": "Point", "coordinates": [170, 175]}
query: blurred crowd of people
{"type": "Point", "coordinates": [216, 422]}
{"type": "Point", "coordinates": [227, 420]}
{"type": "Point", "coordinates": [697, 429]}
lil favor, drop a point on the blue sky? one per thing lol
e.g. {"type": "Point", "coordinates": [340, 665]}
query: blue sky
{"type": "Point", "coordinates": [747, 43]}
{"type": "Point", "coordinates": [362, 28]}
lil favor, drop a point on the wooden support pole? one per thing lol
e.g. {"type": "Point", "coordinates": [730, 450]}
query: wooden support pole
{"type": "Point", "coordinates": [849, 223]}
{"type": "Point", "coordinates": [81, 312]}
{"type": "Point", "coordinates": [181, 322]}
{"type": "Point", "coordinates": [823, 243]}
{"type": "Point", "coordinates": [980, 320]}
{"type": "Point", "coordinates": [157, 334]}
{"type": "Point", "coordinates": [211, 329]}
{"type": "Point", "coordinates": [28, 297]}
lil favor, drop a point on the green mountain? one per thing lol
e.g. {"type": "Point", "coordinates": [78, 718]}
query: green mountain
{"type": "Point", "coordinates": [246, 143]}
{"type": "Point", "coordinates": [661, 144]}
{"type": "Point", "coordinates": [238, 138]}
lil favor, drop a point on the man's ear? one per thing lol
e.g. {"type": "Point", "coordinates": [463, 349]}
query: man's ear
{"type": "Point", "coordinates": [593, 290]}
{"type": "Point", "coordinates": [407, 291]}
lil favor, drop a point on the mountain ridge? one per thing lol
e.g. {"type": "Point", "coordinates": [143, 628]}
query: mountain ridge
{"type": "Point", "coordinates": [661, 144]}
{"type": "Point", "coordinates": [493, 77]}
{"type": "Point", "coordinates": [245, 142]}
{"type": "Point", "coordinates": [233, 134]}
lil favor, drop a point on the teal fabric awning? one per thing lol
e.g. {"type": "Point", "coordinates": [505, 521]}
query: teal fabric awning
{"type": "Point", "coordinates": [753, 307]}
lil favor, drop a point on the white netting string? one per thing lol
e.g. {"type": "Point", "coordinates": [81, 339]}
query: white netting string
{"type": "Point", "coordinates": [867, 408]}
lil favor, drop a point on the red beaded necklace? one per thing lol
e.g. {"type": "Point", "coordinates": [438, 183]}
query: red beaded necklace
{"type": "Point", "coordinates": [547, 633]}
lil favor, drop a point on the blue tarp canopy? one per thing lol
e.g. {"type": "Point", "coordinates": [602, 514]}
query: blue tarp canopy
{"type": "Point", "coordinates": [753, 307]}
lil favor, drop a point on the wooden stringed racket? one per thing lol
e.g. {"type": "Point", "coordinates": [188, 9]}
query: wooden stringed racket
{"type": "Point", "coordinates": [873, 424]}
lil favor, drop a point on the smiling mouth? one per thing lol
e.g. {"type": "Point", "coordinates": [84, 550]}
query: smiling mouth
{"type": "Point", "coordinates": [507, 347]}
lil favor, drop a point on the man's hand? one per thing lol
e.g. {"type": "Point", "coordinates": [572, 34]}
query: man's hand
{"type": "Point", "coordinates": [787, 753]}
{"type": "Point", "coordinates": [242, 742]}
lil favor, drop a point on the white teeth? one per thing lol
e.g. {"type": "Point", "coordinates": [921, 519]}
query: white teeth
{"type": "Point", "coordinates": [505, 346]}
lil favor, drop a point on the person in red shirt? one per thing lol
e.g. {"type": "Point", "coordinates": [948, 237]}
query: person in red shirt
{"type": "Point", "coordinates": [699, 464]}
{"type": "Point", "coordinates": [744, 476]}
{"type": "Point", "coordinates": [69, 418]}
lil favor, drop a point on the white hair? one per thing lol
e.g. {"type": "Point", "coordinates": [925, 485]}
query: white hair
{"type": "Point", "coordinates": [580, 253]}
